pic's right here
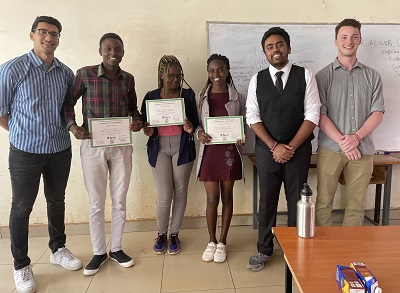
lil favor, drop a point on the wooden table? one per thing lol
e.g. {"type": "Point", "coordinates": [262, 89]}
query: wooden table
{"type": "Point", "coordinates": [384, 161]}
{"type": "Point", "coordinates": [312, 262]}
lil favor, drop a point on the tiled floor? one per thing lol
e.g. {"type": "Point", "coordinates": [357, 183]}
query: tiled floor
{"type": "Point", "coordinates": [185, 272]}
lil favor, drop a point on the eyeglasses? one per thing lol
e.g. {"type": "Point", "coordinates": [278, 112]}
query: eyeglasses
{"type": "Point", "coordinates": [43, 32]}
{"type": "Point", "coordinates": [177, 76]}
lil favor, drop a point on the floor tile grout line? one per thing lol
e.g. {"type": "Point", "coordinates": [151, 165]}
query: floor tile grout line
{"type": "Point", "coordinates": [230, 273]}
{"type": "Point", "coordinates": [42, 255]}
{"type": "Point", "coordinates": [162, 273]}
{"type": "Point", "coordinates": [90, 283]}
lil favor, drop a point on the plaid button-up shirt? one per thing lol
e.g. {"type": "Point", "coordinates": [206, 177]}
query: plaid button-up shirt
{"type": "Point", "coordinates": [101, 96]}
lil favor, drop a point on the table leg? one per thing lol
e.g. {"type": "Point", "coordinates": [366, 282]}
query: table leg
{"type": "Point", "coordinates": [378, 197]}
{"type": "Point", "coordinates": [288, 279]}
{"type": "Point", "coordinates": [255, 197]}
{"type": "Point", "coordinates": [386, 197]}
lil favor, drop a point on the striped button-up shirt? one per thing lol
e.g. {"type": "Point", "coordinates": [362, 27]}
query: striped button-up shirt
{"type": "Point", "coordinates": [101, 96]}
{"type": "Point", "coordinates": [33, 95]}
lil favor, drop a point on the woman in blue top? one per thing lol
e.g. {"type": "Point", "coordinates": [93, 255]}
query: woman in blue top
{"type": "Point", "coordinates": [171, 152]}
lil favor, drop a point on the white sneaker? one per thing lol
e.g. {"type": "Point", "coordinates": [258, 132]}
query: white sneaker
{"type": "Point", "coordinates": [24, 281]}
{"type": "Point", "coordinates": [208, 254]}
{"type": "Point", "coordinates": [220, 253]}
{"type": "Point", "coordinates": [66, 259]}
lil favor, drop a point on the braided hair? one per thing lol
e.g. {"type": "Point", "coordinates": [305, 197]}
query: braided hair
{"type": "Point", "coordinates": [229, 79]}
{"type": "Point", "coordinates": [163, 66]}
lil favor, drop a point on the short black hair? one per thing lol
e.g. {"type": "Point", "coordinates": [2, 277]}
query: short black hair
{"type": "Point", "coordinates": [275, 31]}
{"type": "Point", "coordinates": [46, 19]}
{"type": "Point", "coordinates": [348, 22]}
{"type": "Point", "coordinates": [110, 36]}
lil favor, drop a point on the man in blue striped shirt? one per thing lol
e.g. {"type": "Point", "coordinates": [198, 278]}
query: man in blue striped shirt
{"type": "Point", "coordinates": [32, 92]}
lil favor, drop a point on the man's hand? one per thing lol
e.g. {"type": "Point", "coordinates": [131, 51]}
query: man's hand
{"type": "Point", "coordinates": [348, 143]}
{"type": "Point", "coordinates": [283, 153]}
{"type": "Point", "coordinates": [354, 154]}
{"type": "Point", "coordinates": [136, 125]}
{"type": "Point", "coordinates": [4, 122]}
{"type": "Point", "coordinates": [79, 132]}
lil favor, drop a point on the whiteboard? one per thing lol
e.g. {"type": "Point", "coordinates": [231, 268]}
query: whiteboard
{"type": "Point", "coordinates": [313, 47]}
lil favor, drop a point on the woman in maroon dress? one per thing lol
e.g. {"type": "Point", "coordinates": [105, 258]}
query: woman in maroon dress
{"type": "Point", "coordinates": [219, 165]}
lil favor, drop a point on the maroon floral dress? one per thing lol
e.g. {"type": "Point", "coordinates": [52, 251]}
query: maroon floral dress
{"type": "Point", "coordinates": [221, 162]}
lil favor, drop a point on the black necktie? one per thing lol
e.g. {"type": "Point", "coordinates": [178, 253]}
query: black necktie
{"type": "Point", "coordinates": [278, 83]}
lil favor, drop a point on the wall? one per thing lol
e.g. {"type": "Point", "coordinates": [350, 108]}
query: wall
{"type": "Point", "coordinates": [151, 29]}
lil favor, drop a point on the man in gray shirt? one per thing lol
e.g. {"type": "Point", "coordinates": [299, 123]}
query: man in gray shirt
{"type": "Point", "coordinates": [352, 107]}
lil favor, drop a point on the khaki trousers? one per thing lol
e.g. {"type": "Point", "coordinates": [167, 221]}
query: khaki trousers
{"type": "Point", "coordinates": [357, 175]}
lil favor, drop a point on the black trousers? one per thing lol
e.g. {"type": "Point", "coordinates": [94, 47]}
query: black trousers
{"type": "Point", "coordinates": [25, 171]}
{"type": "Point", "coordinates": [271, 176]}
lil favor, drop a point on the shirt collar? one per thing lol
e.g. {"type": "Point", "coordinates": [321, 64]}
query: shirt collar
{"type": "Point", "coordinates": [100, 71]}
{"type": "Point", "coordinates": [286, 69]}
{"type": "Point", "coordinates": [37, 62]}
{"type": "Point", "coordinates": [337, 64]}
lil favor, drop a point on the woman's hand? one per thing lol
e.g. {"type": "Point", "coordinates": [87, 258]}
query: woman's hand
{"type": "Point", "coordinates": [240, 142]}
{"type": "Point", "coordinates": [204, 138]}
{"type": "Point", "coordinates": [188, 126]}
{"type": "Point", "coordinates": [149, 131]}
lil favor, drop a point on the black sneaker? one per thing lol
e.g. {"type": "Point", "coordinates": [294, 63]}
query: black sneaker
{"type": "Point", "coordinates": [94, 264]}
{"type": "Point", "coordinates": [121, 258]}
{"type": "Point", "coordinates": [161, 244]}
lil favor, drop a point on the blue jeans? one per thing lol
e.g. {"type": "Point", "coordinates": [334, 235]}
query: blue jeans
{"type": "Point", "coordinates": [25, 171]}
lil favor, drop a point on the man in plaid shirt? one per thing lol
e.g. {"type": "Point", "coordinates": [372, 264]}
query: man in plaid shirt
{"type": "Point", "coordinates": [106, 91]}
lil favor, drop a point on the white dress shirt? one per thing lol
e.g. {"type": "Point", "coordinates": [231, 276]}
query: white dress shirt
{"type": "Point", "coordinates": [312, 103]}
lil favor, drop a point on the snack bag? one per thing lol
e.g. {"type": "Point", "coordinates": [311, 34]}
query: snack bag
{"type": "Point", "coordinates": [366, 276]}
{"type": "Point", "coordinates": [348, 281]}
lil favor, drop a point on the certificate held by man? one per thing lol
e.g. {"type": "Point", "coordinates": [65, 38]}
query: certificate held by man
{"type": "Point", "coordinates": [225, 129]}
{"type": "Point", "coordinates": [112, 131]}
{"type": "Point", "coordinates": [165, 112]}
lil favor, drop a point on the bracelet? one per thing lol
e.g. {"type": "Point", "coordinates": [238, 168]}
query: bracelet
{"type": "Point", "coordinates": [358, 137]}
{"type": "Point", "coordinates": [274, 146]}
{"type": "Point", "coordinates": [71, 125]}
{"type": "Point", "coordinates": [197, 133]}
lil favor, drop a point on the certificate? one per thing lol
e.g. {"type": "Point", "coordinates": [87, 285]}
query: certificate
{"type": "Point", "coordinates": [164, 112]}
{"type": "Point", "coordinates": [113, 131]}
{"type": "Point", "coordinates": [224, 129]}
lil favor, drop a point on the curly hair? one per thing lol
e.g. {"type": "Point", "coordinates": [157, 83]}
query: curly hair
{"type": "Point", "coordinates": [348, 22]}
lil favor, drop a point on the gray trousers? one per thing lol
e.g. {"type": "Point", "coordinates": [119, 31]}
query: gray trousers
{"type": "Point", "coordinates": [171, 184]}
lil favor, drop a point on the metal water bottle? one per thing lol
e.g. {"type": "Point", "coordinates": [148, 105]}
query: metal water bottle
{"type": "Point", "coordinates": [305, 213]}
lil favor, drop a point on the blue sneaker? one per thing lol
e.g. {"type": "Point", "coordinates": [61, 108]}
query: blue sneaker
{"type": "Point", "coordinates": [174, 244]}
{"type": "Point", "coordinates": [161, 244]}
